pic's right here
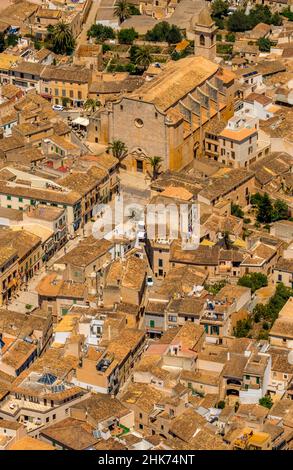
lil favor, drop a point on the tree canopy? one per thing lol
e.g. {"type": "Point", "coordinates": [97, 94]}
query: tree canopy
{"type": "Point", "coordinates": [254, 281]}
{"type": "Point", "coordinates": [268, 211]}
{"type": "Point", "coordinates": [127, 36]}
{"type": "Point", "coordinates": [101, 32]}
{"type": "Point", "coordinates": [239, 21]}
{"type": "Point", "coordinates": [163, 32]}
{"type": "Point", "coordinates": [62, 38]}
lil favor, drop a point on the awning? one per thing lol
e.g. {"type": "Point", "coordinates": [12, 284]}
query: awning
{"type": "Point", "coordinates": [81, 121]}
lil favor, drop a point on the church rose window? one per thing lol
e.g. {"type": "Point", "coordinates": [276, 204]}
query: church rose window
{"type": "Point", "coordinates": [138, 122]}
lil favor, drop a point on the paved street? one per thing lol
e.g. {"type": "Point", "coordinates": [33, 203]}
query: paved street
{"type": "Point", "coordinates": [82, 38]}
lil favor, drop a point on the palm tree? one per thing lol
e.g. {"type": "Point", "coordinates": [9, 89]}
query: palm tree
{"type": "Point", "coordinates": [143, 57]}
{"type": "Point", "coordinates": [62, 39]}
{"type": "Point", "coordinates": [122, 10]}
{"type": "Point", "coordinates": [155, 163]}
{"type": "Point", "coordinates": [118, 149]}
{"type": "Point", "coordinates": [91, 104]}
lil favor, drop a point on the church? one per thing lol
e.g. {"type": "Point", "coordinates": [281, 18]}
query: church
{"type": "Point", "coordinates": [167, 115]}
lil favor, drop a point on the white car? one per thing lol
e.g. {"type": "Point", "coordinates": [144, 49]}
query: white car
{"type": "Point", "coordinates": [149, 281]}
{"type": "Point", "coordinates": [57, 107]}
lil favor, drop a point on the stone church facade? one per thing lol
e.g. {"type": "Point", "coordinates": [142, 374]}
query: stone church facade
{"type": "Point", "coordinates": [167, 115]}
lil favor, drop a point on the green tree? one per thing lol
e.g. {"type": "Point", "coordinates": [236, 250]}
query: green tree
{"type": "Point", "coordinates": [221, 405]}
{"type": "Point", "coordinates": [219, 8]}
{"type": "Point", "coordinates": [118, 149]}
{"type": "Point", "coordinates": [255, 199]}
{"type": "Point", "coordinates": [265, 210]}
{"type": "Point", "coordinates": [238, 21]}
{"type": "Point", "coordinates": [155, 163]}
{"type": "Point", "coordinates": [143, 57]}
{"type": "Point", "coordinates": [133, 10]}
{"type": "Point", "coordinates": [37, 45]}
{"type": "Point", "coordinates": [127, 36]}
{"type": "Point", "coordinates": [259, 312]}
{"type": "Point", "coordinates": [264, 44]}
{"type": "Point", "coordinates": [11, 40]}
{"type": "Point", "coordinates": [231, 37]}
{"type": "Point", "coordinates": [266, 401]}
{"type": "Point", "coordinates": [174, 36]}
{"type": "Point", "coordinates": [276, 19]}
{"type": "Point", "coordinates": [122, 10]}
{"type": "Point", "coordinates": [101, 32]}
{"type": "Point", "coordinates": [237, 211]}
{"type": "Point", "coordinates": [287, 13]}
{"type": "Point", "coordinates": [91, 104]}
{"type": "Point", "coordinates": [254, 281]}
{"type": "Point", "coordinates": [280, 210]}
{"type": "Point", "coordinates": [215, 287]}
{"type": "Point", "coordinates": [243, 328]}
{"type": "Point", "coordinates": [62, 39]}
{"type": "Point", "coordinates": [159, 33]}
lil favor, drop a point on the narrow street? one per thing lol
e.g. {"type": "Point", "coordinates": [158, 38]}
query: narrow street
{"type": "Point", "coordinates": [82, 38]}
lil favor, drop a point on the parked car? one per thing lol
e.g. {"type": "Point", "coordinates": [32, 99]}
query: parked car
{"type": "Point", "coordinates": [58, 107]}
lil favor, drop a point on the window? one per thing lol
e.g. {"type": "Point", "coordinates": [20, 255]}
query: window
{"type": "Point", "coordinates": [152, 323]}
{"type": "Point", "coordinates": [56, 92]}
{"type": "Point", "coordinates": [280, 277]}
{"type": "Point", "coordinates": [160, 261]}
{"type": "Point", "coordinates": [202, 40]}
{"type": "Point", "coordinates": [138, 122]}
{"type": "Point", "coordinates": [54, 416]}
{"type": "Point", "coordinates": [79, 95]}
{"type": "Point", "coordinates": [172, 318]}
{"type": "Point", "coordinates": [71, 93]}
{"type": "Point", "coordinates": [64, 93]}
{"type": "Point", "coordinates": [20, 199]}
{"type": "Point", "coordinates": [140, 426]}
{"type": "Point", "coordinates": [140, 415]}
{"type": "Point", "coordinates": [247, 377]}
{"type": "Point", "coordinates": [47, 420]}
{"type": "Point", "coordinates": [8, 198]}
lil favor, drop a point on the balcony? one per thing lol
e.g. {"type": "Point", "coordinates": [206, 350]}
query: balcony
{"type": "Point", "coordinates": [211, 316]}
